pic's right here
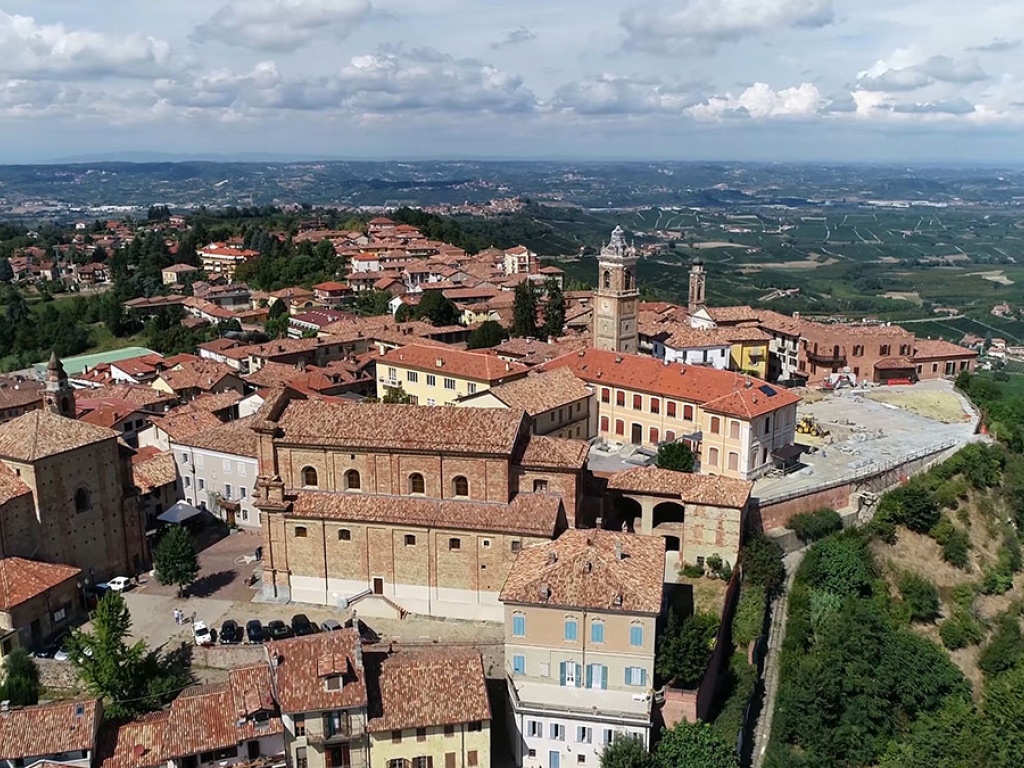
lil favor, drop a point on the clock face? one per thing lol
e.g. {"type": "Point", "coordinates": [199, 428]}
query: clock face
{"type": "Point", "coordinates": [605, 305]}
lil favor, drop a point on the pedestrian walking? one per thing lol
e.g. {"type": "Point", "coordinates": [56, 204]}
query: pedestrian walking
{"type": "Point", "coordinates": [177, 616]}
{"type": "Point", "coordinates": [193, 617]}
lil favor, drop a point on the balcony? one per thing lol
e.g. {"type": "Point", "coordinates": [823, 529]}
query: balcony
{"type": "Point", "coordinates": [334, 732]}
{"type": "Point", "coordinates": [831, 357]}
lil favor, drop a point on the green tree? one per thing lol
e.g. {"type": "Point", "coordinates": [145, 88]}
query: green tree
{"type": "Point", "coordinates": [554, 308]}
{"type": "Point", "coordinates": [1005, 649]}
{"type": "Point", "coordinates": [675, 456]}
{"type": "Point", "coordinates": [488, 334]}
{"type": "Point", "coordinates": [524, 310]}
{"type": "Point", "coordinates": [175, 558]}
{"type": "Point", "coordinates": [21, 679]}
{"type": "Point", "coordinates": [921, 597]}
{"type": "Point", "coordinates": [685, 648]}
{"type": "Point", "coordinates": [396, 396]}
{"type": "Point", "coordinates": [761, 561]}
{"type": "Point", "coordinates": [437, 308]}
{"type": "Point", "coordinates": [694, 745]}
{"type": "Point", "coordinates": [373, 302]}
{"type": "Point", "coordinates": [6, 271]}
{"type": "Point", "coordinates": [1004, 712]}
{"type": "Point", "coordinates": [627, 752]}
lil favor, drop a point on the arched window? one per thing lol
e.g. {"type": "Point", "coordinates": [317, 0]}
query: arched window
{"type": "Point", "coordinates": [352, 480]}
{"type": "Point", "coordinates": [460, 486]}
{"type": "Point", "coordinates": [606, 281]}
{"type": "Point", "coordinates": [301, 532]}
{"type": "Point", "coordinates": [83, 503]}
{"type": "Point", "coordinates": [627, 276]}
{"type": "Point", "coordinates": [309, 478]}
{"type": "Point", "coordinates": [416, 483]}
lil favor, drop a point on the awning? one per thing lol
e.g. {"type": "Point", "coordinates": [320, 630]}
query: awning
{"type": "Point", "coordinates": [179, 513]}
{"type": "Point", "coordinates": [788, 453]}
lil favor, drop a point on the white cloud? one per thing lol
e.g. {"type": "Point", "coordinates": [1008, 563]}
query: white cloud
{"type": "Point", "coordinates": [997, 45]}
{"type": "Point", "coordinates": [934, 69]}
{"type": "Point", "coordinates": [616, 95]}
{"type": "Point", "coordinates": [281, 25]}
{"type": "Point", "coordinates": [515, 37]}
{"type": "Point", "coordinates": [958, 106]}
{"type": "Point", "coordinates": [759, 101]}
{"type": "Point", "coordinates": [702, 24]}
{"type": "Point", "coordinates": [33, 50]}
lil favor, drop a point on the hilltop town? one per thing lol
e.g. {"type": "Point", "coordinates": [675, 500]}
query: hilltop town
{"type": "Point", "coordinates": [493, 492]}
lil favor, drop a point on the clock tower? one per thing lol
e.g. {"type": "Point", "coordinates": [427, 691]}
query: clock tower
{"type": "Point", "coordinates": [616, 297]}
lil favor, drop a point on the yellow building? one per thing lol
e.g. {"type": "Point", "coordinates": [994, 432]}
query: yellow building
{"type": "Point", "coordinates": [439, 375]}
{"type": "Point", "coordinates": [749, 352]}
{"type": "Point", "coordinates": [432, 711]}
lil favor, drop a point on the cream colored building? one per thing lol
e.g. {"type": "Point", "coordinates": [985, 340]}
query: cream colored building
{"type": "Point", "coordinates": [556, 402]}
{"type": "Point", "coordinates": [580, 615]}
{"type": "Point", "coordinates": [732, 422]}
{"type": "Point", "coordinates": [439, 375]}
{"type": "Point", "coordinates": [433, 711]}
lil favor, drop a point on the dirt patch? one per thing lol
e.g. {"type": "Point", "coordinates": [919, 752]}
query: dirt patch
{"type": "Point", "coordinates": [713, 244]}
{"type": "Point", "coordinates": [995, 276]}
{"type": "Point", "coordinates": [708, 594]}
{"type": "Point", "coordinates": [943, 407]}
{"type": "Point", "coordinates": [809, 263]}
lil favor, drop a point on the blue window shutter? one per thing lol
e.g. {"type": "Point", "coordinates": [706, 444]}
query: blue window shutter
{"type": "Point", "coordinates": [629, 675]}
{"type": "Point", "coordinates": [579, 675]}
{"type": "Point", "coordinates": [597, 632]}
{"type": "Point", "coordinates": [643, 676]}
{"type": "Point", "coordinates": [636, 636]}
{"type": "Point", "coordinates": [519, 626]}
{"type": "Point", "coordinates": [590, 675]}
{"type": "Point", "coordinates": [519, 664]}
{"type": "Point", "coordinates": [561, 673]}
{"type": "Point", "coordinates": [570, 630]}
{"type": "Point", "coordinates": [604, 677]}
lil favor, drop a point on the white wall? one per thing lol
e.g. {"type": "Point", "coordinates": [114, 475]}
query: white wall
{"type": "Point", "coordinates": [202, 472]}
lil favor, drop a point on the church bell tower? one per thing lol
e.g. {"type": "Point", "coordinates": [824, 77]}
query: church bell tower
{"type": "Point", "coordinates": [698, 280]}
{"type": "Point", "coordinates": [616, 297]}
{"type": "Point", "coordinates": [58, 396]}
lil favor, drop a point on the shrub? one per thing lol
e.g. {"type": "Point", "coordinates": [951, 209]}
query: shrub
{"type": "Point", "coordinates": [942, 530]}
{"type": "Point", "coordinates": [686, 648]}
{"type": "Point", "coordinates": [960, 630]}
{"type": "Point", "coordinates": [693, 571]}
{"type": "Point", "coordinates": [920, 596]}
{"type": "Point", "coordinates": [812, 526]}
{"type": "Point", "coordinates": [675, 456]}
{"type": "Point", "coordinates": [996, 581]}
{"type": "Point", "coordinates": [761, 559]}
{"type": "Point", "coordinates": [748, 620]}
{"type": "Point", "coordinates": [1005, 648]}
{"type": "Point", "coordinates": [956, 550]}
{"type": "Point", "coordinates": [963, 595]}
{"type": "Point", "coordinates": [718, 567]}
{"type": "Point", "coordinates": [840, 564]}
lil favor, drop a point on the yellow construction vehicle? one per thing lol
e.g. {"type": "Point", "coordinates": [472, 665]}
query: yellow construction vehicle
{"type": "Point", "coordinates": [809, 426]}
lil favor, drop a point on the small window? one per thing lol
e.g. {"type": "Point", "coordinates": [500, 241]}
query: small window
{"type": "Point", "coordinates": [421, 734]}
{"type": "Point", "coordinates": [333, 683]}
{"type": "Point", "coordinates": [476, 726]}
{"type": "Point", "coordinates": [670, 409]}
{"type": "Point", "coordinates": [416, 483]}
{"type": "Point", "coordinates": [620, 427]}
{"type": "Point", "coordinates": [344, 534]}
{"type": "Point", "coordinates": [655, 405]}
{"type": "Point", "coordinates": [300, 726]}
{"type": "Point", "coordinates": [638, 402]}
{"type": "Point", "coordinates": [471, 388]}
{"type": "Point", "coordinates": [449, 730]}
{"type": "Point", "coordinates": [518, 625]}
{"type": "Point", "coordinates": [410, 540]}
{"type": "Point", "coordinates": [516, 546]}
{"type": "Point", "coordinates": [460, 486]}
{"type": "Point", "coordinates": [606, 395]}
{"type": "Point", "coordinates": [620, 398]}
{"type": "Point", "coordinates": [83, 501]}
{"type": "Point", "coordinates": [240, 470]}
{"type": "Point", "coordinates": [352, 480]}
{"type": "Point", "coordinates": [413, 377]}
{"type": "Point", "coordinates": [570, 630]}
{"type": "Point", "coordinates": [734, 429]}
{"type": "Point", "coordinates": [449, 759]}
{"type": "Point", "coordinates": [449, 383]}
{"type": "Point", "coordinates": [670, 436]}
{"type": "Point", "coordinates": [716, 425]}
{"type": "Point", "coordinates": [597, 631]}
{"type": "Point", "coordinates": [431, 380]}
{"type": "Point", "coordinates": [713, 457]}
{"type": "Point", "coordinates": [471, 758]}
{"type": "Point", "coordinates": [186, 481]}
{"type": "Point", "coordinates": [301, 532]}
{"type": "Point", "coordinates": [486, 543]}
{"type": "Point", "coordinates": [300, 752]}
{"type": "Point", "coordinates": [227, 465]}
{"type": "Point", "coordinates": [636, 636]}
{"type": "Point", "coordinates": [654, 435]}
{"type": "Point", "coordinates": [518, 665]}
{"type": "Point", "coordinates": [396, 737]}
{"type": "Point", "coordinates": [688, 413]}
{"type": "Point", "coordinates": [227, 491]}
{"type": "Point", "coordinates": [309, 478]}
{"type": "Point", "coordinates": [540, 486]}
{"type": "Point", "coordinates": [454, 544]}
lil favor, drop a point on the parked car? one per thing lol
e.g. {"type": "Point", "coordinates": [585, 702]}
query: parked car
{"type": "Point", "coordinates": [230, 632]}
{"type": "Point", "coordinates": [53, 647]}
{"type": "Point", "coordinates": [254, 632]}
{"type": "Point", "coordinates": [366, 635]}
{"type": "Point", "coordinates": [62, 654]}
{"type": "Point", "coordinates": [330, 625]}
{"type": "Point", "coordinates": [278, 630]}
{"type": "Point", "coordinates": [201, 633]}
{"type": "Point", "coordinates": [302, 626]}
{"type": "Point", "coordinates": [120, 583]}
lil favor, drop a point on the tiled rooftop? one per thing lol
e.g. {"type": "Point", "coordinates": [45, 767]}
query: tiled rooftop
{"type": "Point", "coordinates": [691, 488]}
{"type": "Point", "coordinates": [526, 515]}
{"type": "Point", "coordinates": [476, 366]}
{"type": "Point", "coordinates": [21, 579]}
{"type": "Point", "coordinates": [543, 391]}
{"type": "Point", "coordinates": [49, 729]}
{"type": "Point", "coordinates": [39, 434]}
{"type": "Point", "coordinates": [592, 569]}
{"type": "Point", "coordinates": [300, 688]}
{"type": "Point", "coordinates": [420, 689]}
{"type": "Point", "coordinates": [554, 452]}
{"type": "Point", "coordinates": [235, 437]}
{"type": "Point", "coordinates": [11, 485]}
{"type": "Point", "coordinates": [938, 348]}
{"type": "Point", "coordinates": [155, 472]}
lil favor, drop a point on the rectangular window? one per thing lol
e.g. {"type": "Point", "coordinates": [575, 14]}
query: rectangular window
{"type": "Point", "coordinates": [410, 540]}
{"type": "Point", "coordinates": [227, 466]}
{"type": "Point", "coordinates": [569, 674]}
{"type": "Point", "coordinates": [655, 405]}
{"type": "Point", "coordinates": [582, 734]}
{"type": "Point", "coordinates": [533, 728]}
{"type": "Point", "coordinates": [713, 457]}
{"type": "Point", "coordinates": [431, 401]}
{"type": "Point", "coordinates": [471, 388]}
{"type": "Point", "coordinates": [449, 730]}
{"type": "Point", "coordinates": [420, 761]}
{"type": "Point", "coordinates": [636, 636]}
{"type": "Point", "coordinates": [606, 395]}
{"type": "Point", "coordinates": [431, 380]}
{"type": "Point", "coordinates": [202, 484]}
{"type": "Point", "coordinates": [620, 427]}
{"type": "Point", "coordinates": [471, 758]}
{"type": "Point", "coordinates": [227, 491]}
{"type": "Point", "coordinates": [734, 429]}
{"type": "Point", "coordinates": [184, 458]}
{"type": "Point", "coordinates": [609, 734]}
{"type": "Point", "coordinates": [597, 632]}
{"type": "Point", "coordinates": [413, 377]}
{"type": "Point", "coordinates": [519, 665]}
{"type": "Point", "coordinates": [636, 676]}
{"type": "Point", "coordinates": [556, 732]}
{"type": "Point", "coordinates": [241, 469]}
{"type": "Point", "coordinates": [449, 760]}
{"type": "Point", "coordinates": [620, 398]}
{"type": "Point", "coordinates": [421, 734]}
{"type": "Point", "coordinates": [716, 425]}
{"type": "Point", "coordinates": [300, 725]}
{"type": "Point", "coordinates": [476, 726]}
{"type": "Point", "coordinates": [670, 409]}
{"type": "Point", "coordinates": [604, 423]}
{"type": "Point", "coordinates": [300, 758]}
{"type": "Point", "coordinates": [449, 383]}
{"type": "Point", "coordinates": [638, 402]}
{"type": "Point", "coordinates": [688, 413]}
{"type": "Point", "coordinates": [734, 460]}
{"type": "Point", "coordinates": [396, 737]}
{"type": "Point", "coordinates": [242, 493]}
{"type": "Point", "coordinates": [454, 544]}
{"type": "Point", "coordinates": [187, 481]}
{"type": "Point", "coordinates": [570, 630]}
{"type": "Point", "coordinates": [597, 677]}
{"type": "Point", "coordinates": [519, 625]}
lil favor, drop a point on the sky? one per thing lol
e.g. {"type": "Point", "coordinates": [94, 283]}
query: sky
{"type": "Point", "coordinates": [785, 80]}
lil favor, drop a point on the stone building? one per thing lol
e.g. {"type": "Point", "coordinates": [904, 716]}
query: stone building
{"type": "Point", "coordinates": [71, 499]}
{"type": "Point", "coordinates": [616, 297]}
{"type": "Point", "coordinates": [37, 600]}
{"type": "Point", "coordinates": [405, 508]}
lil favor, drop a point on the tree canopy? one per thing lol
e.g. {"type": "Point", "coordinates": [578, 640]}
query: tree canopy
{"type": "Point", "coordinates": [175, 558]}
{"type": "Point", "coordinates": [694, 745]}
{"type": "Point", "coordinates": [524, 310]}
{"type": "Point", "coordinates": [675, 456]}
{"type": "Point", "coordinates": [21, 679]}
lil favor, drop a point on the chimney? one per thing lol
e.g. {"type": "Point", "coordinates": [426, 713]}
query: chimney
{"type": "Point", "coordinates": [618, 550]}
{"type": "Point", "coordinates": [439, 362]}
{"type": "Point", "coordinates": [508, 366]}
{"type": "Point", "coordinates": [796, 315]}
{"type": "Point", "coordinates": [545, 592]}
{"type": "Point", "coordinates": [747, 384]}
{"type": "Point", "coordinates": [552, 557]}
{"type": "Point", "coordinates": [618, 358]}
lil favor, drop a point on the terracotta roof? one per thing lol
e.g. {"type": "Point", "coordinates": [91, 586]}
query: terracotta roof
{"type": "Point", "coordinates": [155, 472]}
{"type": "Point", "coordinates": [583, 569]}
{"type": "Point", "coordinates": [543, 391]}
{"type": "Point", "coordinates": [527, 514]}
{"type": "Point", "coordinates": [204, 375]}
{"type": "Point", "coordinates": [136, 744]}
{"type": "Point", "coordinates": [38, 434]}
{"type": "Point", "coordinates": [179, 268]}
{"type": "Point", "coordinates": [104, 413]}
{"type": "Point", "coordinates": [894, 363]}
{"type": "Point", "coordinates": [453, 362]}
{"type": "Point", "coordinates": [733, 314]}
{"type": "Point", "coordinates": [18, 394]}
{"type": "Point", "coordinates": [317, 421]}
{"type": "Point", "coordinates": [554, 453]}
{"type": "Point", "coordinates": [11, 485]}
{"type": "Point", "coordinates": [420, 689]}
{"type": "Point", "coordinates": [219, 345]}
{"type": "Point", "coordinates": [301, 688]}
{"type": "Point", "coordinates": [49, 729]}
{"type": "Point", "coordinates": [741, 333]}
{"type": "Point", "coordinates": [784, 324]}
{"type": "Point", "coordinates": [212, 402]}
{"type": "Point", "coordinates": [137, 394]}
{"type": "Point", "coordinates": [235, 438]}
{"type": "Point", "coordinates": [332, 285]}
{"type": "Point", "coordinates": [692, 489]}
{"type": "Point", "coordinates": [720, 391]}
{"type": "Point", "coordinates": [182, 425]}
{"type": "Point", "coordinates": [21, 579]}
{"type": "Point", "coordinates": [933, 348]}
